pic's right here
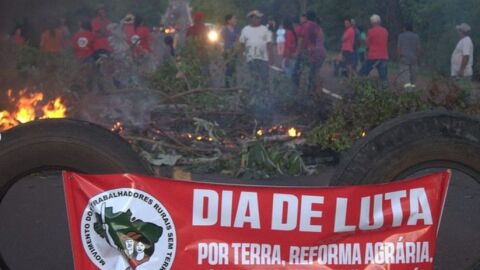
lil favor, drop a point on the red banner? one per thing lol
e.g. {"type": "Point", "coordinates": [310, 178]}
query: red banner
{"type": "Point", "coordinates": [139, 222]}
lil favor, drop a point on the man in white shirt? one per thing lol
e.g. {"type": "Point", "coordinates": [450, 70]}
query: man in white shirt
{"type": "Point", "coordinates": [462, 56]}
{"type": "Point", "coordinates": [257, 40]}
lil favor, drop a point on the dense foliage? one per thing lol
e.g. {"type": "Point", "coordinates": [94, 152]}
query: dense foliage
{"type": "Point", "coordinates": [370, 106]}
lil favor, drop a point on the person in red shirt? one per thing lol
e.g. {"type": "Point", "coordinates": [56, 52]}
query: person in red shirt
{"type": "Point", "coordinates": [198, 30]}
{"type": "Point", "coordinates": [198, 33]}
{"type": "Point", "coordinates": [18, 35]}
{"type": "Point", "coordinates": [348, 51]}
{"type": "Point", "coordinates": [377, 44]}
{"type": "Point", "coordinates": [310, 50]}
{"type": "Point", "coordinates": [82, 43]}
{"type": "Point", "coordinates": [100, 24]}
{"type": "Point", "coordinates": [298, 23]}
{"type": "Point", "coordinates": [290, 47]}
{"type": "Point", "coordinates": [142, 39]}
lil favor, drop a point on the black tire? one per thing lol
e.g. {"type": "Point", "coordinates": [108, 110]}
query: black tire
{"type": "Point", "coordinates": [63, 144]}
{"type": "Point", "coordinates": [408, 144]}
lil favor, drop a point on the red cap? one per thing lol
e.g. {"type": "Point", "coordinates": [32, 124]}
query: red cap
{"type": "Point", "coordinates": [198, 15]}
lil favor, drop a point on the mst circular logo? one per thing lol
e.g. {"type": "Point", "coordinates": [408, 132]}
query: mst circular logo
{"type": "Point", "coordinates": [128, 229]}
{"type": "Point", "coordinates": [135, 39]}
{"type": "Point", "coordinates": [82, 42]}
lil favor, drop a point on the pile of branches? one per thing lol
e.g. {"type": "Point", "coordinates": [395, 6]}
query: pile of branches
{"type": "Point", "coordinates": [199, 124]}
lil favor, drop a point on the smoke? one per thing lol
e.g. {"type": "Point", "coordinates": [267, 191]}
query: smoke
{"type": "Point", "coordinates": [132, 108]}
{"type": "Point", "coordinates": [116, 89]}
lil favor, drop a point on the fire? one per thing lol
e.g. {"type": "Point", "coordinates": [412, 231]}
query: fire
{"type": "Point", "coordinates": [27, 109]}
{"type": "Point", "coordinates": [7, 121]}
{"type": "Point", "coordinates": [197, 137]}
{"type": "Point", "coordinates": [54, 109]}
{"type": "Point", "coordinates": [118, 128]}
{"type": "Point", "coordinates": [279, 130]}
{"type": "Point", "coordinates": [294, 133]}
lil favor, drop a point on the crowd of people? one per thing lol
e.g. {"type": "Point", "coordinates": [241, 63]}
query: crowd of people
{"type": "Point", "coordinates": [300, 45]}
{"type": "Point", "coordinates": [93, 38]}
{"type": "Point", "coordinates": [292, 45]}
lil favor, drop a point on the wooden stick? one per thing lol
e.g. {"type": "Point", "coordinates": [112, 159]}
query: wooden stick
{"type": "Point", "coordinates": [202, 90]}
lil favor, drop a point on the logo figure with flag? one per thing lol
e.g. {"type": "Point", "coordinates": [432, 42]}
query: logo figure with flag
{"type": "Point", "coordinates": [134, 238]}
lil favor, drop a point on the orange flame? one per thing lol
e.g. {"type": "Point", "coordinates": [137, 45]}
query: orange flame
{"type": "Point", "coordinates": [118, 128]}
{"type": "Point", "coordinates": [54, 109]}
{"type": "Point", "coordinates": [294, 133]}
{"type": "Point", "coordinates": [26, 109]}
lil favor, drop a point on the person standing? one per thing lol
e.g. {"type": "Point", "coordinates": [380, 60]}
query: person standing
{"type": "Point", "coordinates": [257, 41]}
{"type": "Point", "coordinates": [51, 40]}
{"type": "Point", "coordinates": [18, 35]}
{"type": "Point", "coordinates": [377, 44]}
{"type": "Point", "coordinates": [462, 56]}
{"type": "Point", "coordinates": [280, 39]}
{"type": "Point", "coordinates": [230, 35]}
{"type": "Point", "coordinates": [291, 41]}
{"type": "Point", "coordinates": [298, 23]}
{"type": "Point", "coordinates": [310, 50]}
{"type": "Point", "coordinates": [408, 50]}
{"type": "Point", "coordinates": [100, 25]}
{"type": "Point", "coordinates": [82, 43]}
{"type": "Point", "coordinates": [197, 34]}
{"type": "Point", "coordinates": [362, 47]}
{"type": "Point", "coordinates": [141, 40]}
{"type": "Point", "coordinates": [128, 28]}
{"type": "Point", "coordinates": [348, 50]}
{"type": "Point", "coordinates": [198, 31]}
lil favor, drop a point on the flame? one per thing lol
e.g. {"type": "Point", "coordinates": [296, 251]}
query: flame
{"type": "Point", "coordinates": [54, 109]}
{"type": "Point", "coordinates": [198, 137]}
{"type": "Point", "coordinates": [260, 132]}
{"type": "Point", "coordinates": [26, 106]}
{"type": "Point", "coordinates": [118, 127]}
{"type": "Point", "coordinates": [7, 120]}
{"type": "Point", "coordinates": [364, 134]}
{"type": "Point", "coordinates": [294, 133]}
{"type": "Point", "coordinates": [26, 109]}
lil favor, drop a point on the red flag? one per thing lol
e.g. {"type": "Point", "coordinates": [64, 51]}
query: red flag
{"type": "Point", "coordinates": [139, 222]}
